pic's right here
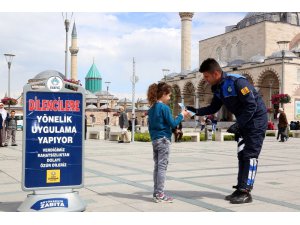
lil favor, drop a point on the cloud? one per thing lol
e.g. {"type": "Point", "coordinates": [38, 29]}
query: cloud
{"type": "Point", "coordinates": [111, 39]}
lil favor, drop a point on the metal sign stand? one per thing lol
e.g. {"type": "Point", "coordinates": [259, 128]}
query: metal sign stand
{"type": "Point", "coordinates": [53, 195]}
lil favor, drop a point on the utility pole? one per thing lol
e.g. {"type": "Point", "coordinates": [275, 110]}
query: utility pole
{"type": "Point", "coordinates": [133, 79]}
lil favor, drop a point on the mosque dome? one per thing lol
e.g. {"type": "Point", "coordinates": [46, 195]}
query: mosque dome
{"type": "Point", "coordinates": [143, 101]}
{"type": "Point", "coordinates": [124, 101]}
{"type": "Point", "coordinates": [257, 59]}
{"type": "Point", "coordinates": [185, 72]}
{"type": "Point", "coordinates": [102, 93]}
{"type": "Point", "coordinates": [287, 54]}
{"type": "Point", "coordinates": [171, 75]}
{"type": "Point", "coordinates": [129, 108]}
{"type": "Point", "coordinates": [143, 108]}
{"type": "Point", "coordinates": [253, 18]}
{"type": "Point", "coordinates": [89, 96]}
{"type": "Point", "coordinates": [296, 50]}
{"type": "Point", "coordinates": [93, 72]}
{"type": "Point", "coordinates": [93, 80]}
{"type": "Point", "coordinates": [91, 106]}
{"type": "Point", "coordinates": [195, 70]}
{"type": "Point", "coordinates": [236, 62]}
{"type": "Point", "coordinates": [45, 75]}
{"type": "Point", "coordinates": [222, 63]}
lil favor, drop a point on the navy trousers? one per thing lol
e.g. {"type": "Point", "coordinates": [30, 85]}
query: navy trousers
{"type": "Point", "coordinates": [253, 136]}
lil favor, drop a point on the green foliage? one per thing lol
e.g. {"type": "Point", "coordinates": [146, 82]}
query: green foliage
{"type": "Point", "coordinates": [143, 137]}
{"type": "Point", "coordinates": [273, 134]}
{"type": "Point", "coordinates": [228, 137]}
{"type": "Point", "coordinates": [202, 137]}
{"type": "Point", "coordinates": [186, 139]}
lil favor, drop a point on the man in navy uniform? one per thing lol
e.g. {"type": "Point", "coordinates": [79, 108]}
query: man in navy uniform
{"type": "Point", "coordinates": [241, 99]}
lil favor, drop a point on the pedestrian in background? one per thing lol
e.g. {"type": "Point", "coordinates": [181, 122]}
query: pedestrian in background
{"type": "Point", "coordinates": [3, 113]}
{"type": "Point", "coordinates": [123, 122]}
{"type": "Point", "coordinates": [282, 126]}
{"type": "Point", "coordinates": [178, 132]}
{"type": "Point", "coordinates": [11, 129]}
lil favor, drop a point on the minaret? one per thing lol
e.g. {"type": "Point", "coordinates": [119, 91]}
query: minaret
{"type": "Point", "coordinates": [186, 28]}
{"type": "Point", "coordinates": [74, 50]}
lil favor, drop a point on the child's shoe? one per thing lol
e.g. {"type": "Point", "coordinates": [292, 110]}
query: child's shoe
{"type": "Point", "coordinates": [163, 198]}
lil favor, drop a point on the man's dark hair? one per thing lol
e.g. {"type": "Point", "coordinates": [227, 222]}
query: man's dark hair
{"type": "Point", "coordinates": [12, 111]}
{"type": "Point", "coordinates": [210, 65]}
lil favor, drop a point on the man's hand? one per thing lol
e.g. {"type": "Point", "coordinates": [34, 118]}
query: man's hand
{"type": "Point", "coordinates": [185, 113]}
{"type": "Point", "coordinates": [191, 108]}
{"type": "Point", "coordinates": [234, 129]}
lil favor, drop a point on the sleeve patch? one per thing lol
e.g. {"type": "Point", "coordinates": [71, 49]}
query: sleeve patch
{"type": "Point", "coordinates": [245, 90]}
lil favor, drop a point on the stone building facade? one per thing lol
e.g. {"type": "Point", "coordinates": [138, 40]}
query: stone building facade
{"type": "Point", "coordinates": [250, 48]}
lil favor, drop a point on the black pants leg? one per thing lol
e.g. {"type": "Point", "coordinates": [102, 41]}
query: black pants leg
{"type": "Point", "coordinates": [254, 135]}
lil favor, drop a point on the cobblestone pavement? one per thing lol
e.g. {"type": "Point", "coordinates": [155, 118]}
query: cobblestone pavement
{"type": "Point", "coordinates": [118, 177]}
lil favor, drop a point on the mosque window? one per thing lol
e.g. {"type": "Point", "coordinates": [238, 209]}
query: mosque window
{"type": "Point", "coordinates": [228, 51]}
{"type": "Point", "coordinates": [219, 53]}
{"type": "Point", "coordinates": [239, 48]}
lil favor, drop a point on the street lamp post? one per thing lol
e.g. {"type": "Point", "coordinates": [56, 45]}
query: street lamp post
{"type": "Point", "coordinates": [133, 79]}
{"type": "Point", "coordinates": [107, 86]}
{"type": "Point", "coordinates": [9, 59]}
{"type": "Point", "coordinates": [271, 84]}
{"type": "Point", "coordinates": [271, 81]}
{"type": "Point", "coordinates": [282, 46]}
{"type": "Point", "coordinates": [165, 71]}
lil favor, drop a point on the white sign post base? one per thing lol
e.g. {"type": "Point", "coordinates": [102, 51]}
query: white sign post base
{"type": "Point", "coordinates": [53, 201]}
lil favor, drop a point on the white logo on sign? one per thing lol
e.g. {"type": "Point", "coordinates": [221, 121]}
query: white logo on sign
{"type": "Point", "coordinates": [55, 84]}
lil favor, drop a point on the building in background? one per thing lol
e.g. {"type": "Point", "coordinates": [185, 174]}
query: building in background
{"type": "Point", "coordinates": [264, 47]}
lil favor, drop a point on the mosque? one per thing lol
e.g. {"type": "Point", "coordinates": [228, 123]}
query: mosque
{"type": "Point", "coordinates": [264, 47]}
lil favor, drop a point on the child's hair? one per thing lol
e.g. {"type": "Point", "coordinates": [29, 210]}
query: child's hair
{"type": "Point", "coordinates": [156, 91]}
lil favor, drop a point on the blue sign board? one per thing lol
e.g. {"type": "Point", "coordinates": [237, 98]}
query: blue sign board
{"type": "Point", "coordinates": [53, 139]}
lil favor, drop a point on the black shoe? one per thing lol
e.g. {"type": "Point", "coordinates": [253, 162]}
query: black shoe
{"type": "Point", "coordinates": [120, 141]}
{"type": "Point", "coordinates": [242, 197]}
{"type": "Point", "coordinates": [14, 145]}
{"type": "Point", "coordinates": [5, 145]}
{"type": "Point", "coordinates": [234, 194]}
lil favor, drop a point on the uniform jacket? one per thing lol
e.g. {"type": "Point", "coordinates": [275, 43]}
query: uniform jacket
{"type": "Point", "coordinates": [239, 97]}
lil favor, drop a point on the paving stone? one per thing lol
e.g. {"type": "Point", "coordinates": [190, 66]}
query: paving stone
{"type": "Point", "coordinates": [118, 177]}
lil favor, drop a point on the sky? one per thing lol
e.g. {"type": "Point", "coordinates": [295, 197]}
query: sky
{"type": "Point", "coordinates": [38, 41]}
{"type": "Point", "coordinates": [110, 39]}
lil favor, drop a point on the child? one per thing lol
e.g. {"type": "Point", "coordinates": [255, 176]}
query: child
{"type": "Point", "coordinates": [160, 123]}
